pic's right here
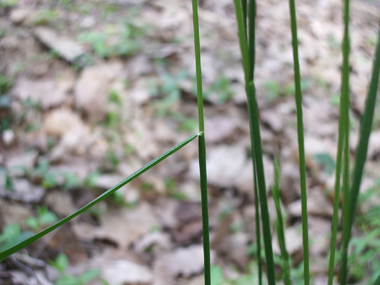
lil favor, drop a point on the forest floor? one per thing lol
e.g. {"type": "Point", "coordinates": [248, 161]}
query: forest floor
{"type": "Point", "coordinates": [92, 90]}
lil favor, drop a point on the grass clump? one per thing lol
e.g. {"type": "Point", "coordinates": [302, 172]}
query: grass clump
{"type": "Point", "coordinates": [347, 183]}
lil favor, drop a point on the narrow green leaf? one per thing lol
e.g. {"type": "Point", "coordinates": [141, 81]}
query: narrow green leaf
{"type": "Point", "coordinates": [244, 9]}
{"type": "Point", "coordinates": [252, 55]}
{"type": "Point", "coordinates": [377, 281]}
{"type": "Point", "coordinates": [202, 149]}
{"type": "Point", "coordinates": [197, 48]}
{"type": "Point", "coordinates": [252, 35]}
{"type": "Point", "coordinates": [280, 222]}
{"type": "Point", "coordinates": [360, 158]}
{"type": "Point", "coordinates": [343, 138]}
{"type": "Point", "coordinates": [243, 41]}
{"type": "Point", "coordinates": [258, 232]}
{"type": "Point", "coordinates": [301, 146]}
{"type": "Point", "coordinates": [254, 123]}
{"type": "Point", "coordinates": [345, 90]}
{"type": "Point", "coordinates": [7, 252]}
{"type": "Point", "coordinates": [258, 160]}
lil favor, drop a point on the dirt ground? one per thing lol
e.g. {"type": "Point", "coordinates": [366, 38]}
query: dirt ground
{"type": "Point", "coordinates": [92, 90]}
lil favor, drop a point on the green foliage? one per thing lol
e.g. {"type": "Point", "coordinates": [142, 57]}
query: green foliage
{"type": "Point", "coordinates": [326, 161]}
{"type": "Point", "coordinates": [61, 263]}
{"type": "Point", "coordinates": [279, 225]}
{"type": "Point", "coordinates": [8, 3]}
{"type": "Point", "coordinates": [7, 179]}
{"type": "Point", "coordinates": [172, 190]}
{"type": "Point", "coordinates": [166, 92]}
{"type": "Point", "coordinates": [222, 88]}
{"type": "Point", "coordinates": [51, 179]}
{"type": "Point", "coordinates": [8, 251]}
{"type": "Point", "coordinates": [12, 235]}
{"type": "Point", "coordinates": [45, 17]}
{"type": "Point", "coordinates": [5, 84]}
{"type": "Point", "coordinates": [116, 41]}
{"type": "Point", "coordinates": [274, 90]}
{"type": "Point", "coordinates": [44, 218]}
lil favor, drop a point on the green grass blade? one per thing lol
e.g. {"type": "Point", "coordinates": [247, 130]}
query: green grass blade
{"type": "Point", "coordinates": [377, 281]}
{"type": "Point", "coordinates": [205, 219]}
{"type": "Point", "coordinates": [280, 223]}
{"type": "Point", "coordinates": [360, 158]}
{"type": "Point", "coordinates": [301, 147]}
{"type": "Point", "coordinates": [244, 9]}
{"type": "Point", "coordinates": [254, 123]}
{"type": "Point", "coordinates": [258, 232]}
{"type": "Point", "coordinates": [197, 48]}
{"type": "Point", "coordinates": [257, 150]}
{"type": "Point", "coordinates": [252, 35]}
{"type": "Point", "coordinates": [343, 147]}
{"type": "Point", "coordinates": [345, 89]}
{"type": "Point", "coordinates": [145, 168]}
{"type": "Point", "coordinates": [202, 149]}
{"type": "Point", "coordinates": [243, 42]}
{"type": "Point", "coordinates": [252, 56]}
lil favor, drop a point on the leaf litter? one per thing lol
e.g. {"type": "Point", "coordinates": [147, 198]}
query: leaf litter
{"type": "Point", "coordinates": [95, 117]}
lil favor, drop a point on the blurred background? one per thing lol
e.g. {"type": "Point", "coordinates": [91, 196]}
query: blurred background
{"type": "Point", "coordinates": [92, 90]}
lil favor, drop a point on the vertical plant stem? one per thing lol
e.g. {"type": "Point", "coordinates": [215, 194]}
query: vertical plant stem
{"type": "Point", "coordinates": [301, 147]}
{"type": "Point", "coordinates": [251, 47]}
{"type": "Point", "coordinates": [252, 35]}
{"type": "Point", "coordinates": [202, 149]}
{"type": "Point", "coordinates": [280, 223]}
{"type": "Point", "coordinates": [205, 220]}
{"type": "Point", "coordinates": [345, 90]}
{"type": "Point", "coordinates": [360, 158]}
{"type": "Point", "coordinates": [255, 131]}
{"type": "Point", "coordinates": [254, 123]}
{"type": "Point", "coordinates": [197, 48]}
{"type": "Point", "coordinates": [343, 147]}
{"type": "Point", "coordinates": [258, 232]}
{"type": "Point", "coordinates": [244, 8]}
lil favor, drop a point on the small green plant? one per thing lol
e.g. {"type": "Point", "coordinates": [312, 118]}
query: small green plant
{"type": "Point", "coordinates": [50, 179]}
{"type": "Point", "coordinates": [61, 263]}
{"type": "Point", "coordinates": [44, 218]}
{"type": "Point", "coordinates": [172, 190]}
{"type": "Point", "coordinates": [45, 17]}
{"type": "Point", "coordinates": [8, 3]}
{"type": "Point", "coordinates": [166, 91]}
{"type": "Point", "coordinates": [274, 90]}
{"type": "Point", "coordinates": [326, 161]}
{"type": "Point", "coordinates": [221, 88]}
{"type": "Point", "coordinates": [115, 40]}
{"type": "Point", "coordinates": [7, 179]}
{"type": "Point", "coordinates": [12, 235]}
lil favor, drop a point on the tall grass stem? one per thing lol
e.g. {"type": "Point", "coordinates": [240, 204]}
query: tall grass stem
{"type": "Point", "coordinates": [202, 149]}
{"type": "Point", "coordinates": [342, 159]}
{"type": "Point", "coordinates": [360, 158]}
{"type": "Point", "coordinates": [280, 223]}
{"type": "Point", "coordinates": [257, 154]}
{"type": "Point", "coordinates": [258, 232]}
{"type": "Point", "coordinates": [301, 147]}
